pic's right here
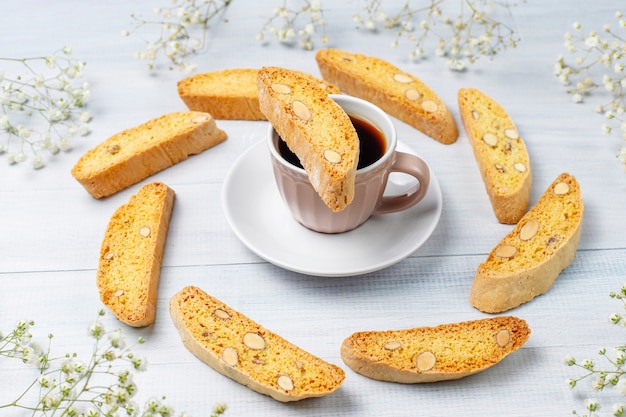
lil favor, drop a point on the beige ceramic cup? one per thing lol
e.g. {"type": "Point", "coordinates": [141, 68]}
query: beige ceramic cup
{"type": "Point", "coordinates": [369, 199]}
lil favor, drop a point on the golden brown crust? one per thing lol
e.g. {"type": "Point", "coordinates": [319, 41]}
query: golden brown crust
{"type": "Point", "coordinates": [313, 126]}
{"type": "Point", "coordinates": [246, 352]}
{"type": "Point", "coordinates": [138, 152]}
{"type": "Point", "coordinates": [399, 93]}
{"type": "Point", "coordinates": [500, 153]}
{"type": "Point", "coordinates": [131, 254]}
{"type": "Point", "coordinates": [527, 261]}
{"type": "Point", "coordinates": [430, 354]}
{"type": "Point", "coordinates": [230, 93]}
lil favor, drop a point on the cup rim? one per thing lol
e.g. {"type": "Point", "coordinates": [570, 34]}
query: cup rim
{"type": "Point", "coordinates": [381, 115]}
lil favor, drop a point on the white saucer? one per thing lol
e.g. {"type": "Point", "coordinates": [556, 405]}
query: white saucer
{"type": "Point", "coordinates": [260, 219]}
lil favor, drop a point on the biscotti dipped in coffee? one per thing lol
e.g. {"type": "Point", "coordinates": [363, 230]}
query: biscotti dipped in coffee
{"type": "Point", "coordinates": [431, 354]}
{"type": "Point", "coordinates": [239, 348]}
{"type": "Point", "coordinates": [527, 261]}
{"type": "Point", "coordinates": [397, 92]}
{"type": "Point", "coordinates": [500, 153]}
{"type": "Point", "coordinates": [141, 151]}
{"type": "Point", "coordinates": [315, 128]}
{"type": "Point", "coordinates": [131, 253]}
{"type": "Point", "coordinates": [229, 93]}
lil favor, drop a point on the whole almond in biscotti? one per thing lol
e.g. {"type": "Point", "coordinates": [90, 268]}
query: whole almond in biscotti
{"type": "Point", "coordinates": [138, 152]}
{"type": "Point", "coordinates": [431, 354]}
{"type": "Point", "coordinates": [131, 254]}
{"type": "Point", "coordinates": [230, 93]}
{"type": "Point", "coordinates": [315, 128]}
{"type": "Point", "coordinates": [527, 261]}
{"type": "Point", "coordinates": [243, 350]}
{"type": "Point", "coordinates": [397, 92]}
{"type": "Point", "coordinates": [500, 153]}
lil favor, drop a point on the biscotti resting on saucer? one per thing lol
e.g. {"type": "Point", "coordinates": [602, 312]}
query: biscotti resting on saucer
{"type": "Point", "coordinates": [397, 92]}
{"type": "Point", "coordinates": [315, 128]}
{"type": "Point", "coordinates": [229, 93]}
{"type": "Point", "coordinates": [500, 153]}
{"type": "Point", "coordinates": [138, 152]}
{"type": "Point", "coordinates": [131, 253]}
{"type": "Point", "coordinates": [431, 354]}
{"type": "Point", "coordinates": [248, 353]}
{"type": "Point", "coordinates": [527, 261]}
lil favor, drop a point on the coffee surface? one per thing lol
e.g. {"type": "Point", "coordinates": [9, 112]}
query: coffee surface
{"type": "Point", "coordinates": [372, 145]}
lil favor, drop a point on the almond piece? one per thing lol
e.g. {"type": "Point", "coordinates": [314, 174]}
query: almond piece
{"type": "Point", "coordinates": [412, 94]}
{"type": "Point", "coordinates": [511, 133]}
{"type": "Point", "coordinates": [118, 293]}
{"type": "Point", "coordinates": [503, 337]}
{"type": "Point", "coordinates": [145, 231]}
{"type": "Point", "coordinates": [425, 361]}
{"type": "Point", "coordinates": [506, 251]}
{"type": "Point", "coordinates": [561, 188]}
{"type": "Point", "coordinates": [475, 115]}
{"type": "Point", "coordinates": [500, 168]}
{"type": "Point", "coordinates": [230, 356]}
{"type": "Point", "coordinates": [332, 156]}
{"type": "Point", "coordinates": [285, 382]}
{"type": "Point", "coordinates": [402, 78]}
{"type": "Point", "coordinates": [519, 167]}
{"type": "Point", "coordinates": [392, 345]}
{"type": "Point", "coordinates": [221, 314]}
{"type": "Point", "coordinates": [280, 88]}
{"type": "Point", "coordinates": [301, 110]}
{"type": "Point", "coordinates": [529, 230]}
{"type": "Point", "coordinates": [253, 341]}
{"type": "Point", "coordinates": [199, 119]}
{"type": "Point", "coordinates": [430, 106]}
{"type": "Point", "coordinates": [113, 149]}
{"type": "Point", "coordinates": [490, 139]}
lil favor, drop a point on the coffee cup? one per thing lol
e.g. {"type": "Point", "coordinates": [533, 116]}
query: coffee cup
{"type": "Point", "coordinates": [378, 159]}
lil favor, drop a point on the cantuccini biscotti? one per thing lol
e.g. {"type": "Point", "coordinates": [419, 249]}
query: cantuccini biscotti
{"type": "Point", "coordinates": [229, 93]}
{"type": "Point", "coordinates": [397, 92]}
{"type": "Point", "coordinates": [315, 128]}
{"type": "Point", "coordinates": [131, 253]}
{"type": "Point", "coordinates": [138, 152]}
{"type": "Point", "coordinates": [431, 354]}
{"type": "Point", "coordinates": [500, 153]}
{"type": "Point", "coordinates": [527, 261]}
{"type": "Point", "coordinates": [243, 350]}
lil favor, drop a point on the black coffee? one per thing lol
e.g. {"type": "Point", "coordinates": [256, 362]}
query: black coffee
{"type": "Point", "coordinates": [372, 145]}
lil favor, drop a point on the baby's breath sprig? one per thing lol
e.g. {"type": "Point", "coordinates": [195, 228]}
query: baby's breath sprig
{"type": "Point", "coordinates": [182, 31]}
{"type": "Point", "coordinates": [610, 375]}
{"type": "Point", "coordinates": [599, 61]}
{"type": "Point", "coordinates": [470, 33]}
{"type": "Point", "coordinates": [41, 106]}
{"type": "Point", "coordinates": [67, 386]}
{"type": "Point", "coordinates": [291, 25]}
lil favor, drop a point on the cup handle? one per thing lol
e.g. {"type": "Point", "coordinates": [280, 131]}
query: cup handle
{"type": "Point", "coordinates": [414, 166]}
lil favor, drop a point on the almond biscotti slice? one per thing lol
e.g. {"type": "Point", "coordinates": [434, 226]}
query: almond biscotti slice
{"type": "Point", "coordinates": [397, 92]}
{"type": "Point", "coordinates": [431, 354]}
{"type": "Point", "coordinates": [131, 254]}
{"type": "Point", "coordinates": [246, 352]}
{"type": "Point", "coordinates": [315, 128]}
{"type": "Point", "coordinates": [500, 153]}
{"type": "Point", "coordinates": [230, 93]}
{"type": "Point", "coordinates": [138, 152]}
{"type": "Point", "coordinates": [527, 261]}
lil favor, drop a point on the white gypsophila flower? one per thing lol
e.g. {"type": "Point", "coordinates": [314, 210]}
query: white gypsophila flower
{"type": "Point", "coordinates": [577, 98]}
{"type": "Point", "coordinates": [116, 339]}
{"type": "Point", "coordinates": [618, 409]}
{"type": "Point", "coordinates": [569, 360]}
{"type": "Point", "coordinates": [140, 363]}
{"type": "Point", "coordinates": [37, 162]}
{"type": "Point", "coordinates": [592, 404]}
{"type": "Point", "coordinates": [620, 387]}
{"type": "Point", "coordinates": [96, 329]}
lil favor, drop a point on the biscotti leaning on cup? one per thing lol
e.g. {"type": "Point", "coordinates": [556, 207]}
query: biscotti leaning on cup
{"type": "Point", "coordinates": [500, 153]}
{"type": "Point", "coordinates": [230, 93]}
{"type": "Point", "coordinates": [141, 151]}
{"type": "Point", "coordinates": [315, 128]}
{"type": "Point", "coordinates": [527, 261]}
{"type": "Point", "coordinates": [431, 354]}
{"type": "Point", "coordinates": [239, 348]}
{"type": "Point", "coordinates": [397, 92]}
{"type": "Point", "coordinates": [131, 253]}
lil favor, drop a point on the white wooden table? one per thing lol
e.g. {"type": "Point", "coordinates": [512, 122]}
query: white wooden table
{"type": "Point", "coordinates": [51, 229]}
